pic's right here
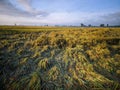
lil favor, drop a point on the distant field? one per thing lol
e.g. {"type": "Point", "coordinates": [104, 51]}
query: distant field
{"type": "Point", "coordinates": [59, 58]}
{"type": "Point", "coordinates": [35, 28]}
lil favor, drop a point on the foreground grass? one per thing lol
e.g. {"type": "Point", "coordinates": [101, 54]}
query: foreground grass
{"type": "Point", "coordinates": [59, 58]}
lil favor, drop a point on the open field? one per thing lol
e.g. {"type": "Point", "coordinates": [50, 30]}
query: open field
{"type": "Point", "coordinates": [59, 58]}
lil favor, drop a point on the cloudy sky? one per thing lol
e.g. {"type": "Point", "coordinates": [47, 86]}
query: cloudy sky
{"type": "Point", "coordinates": [59, 12]}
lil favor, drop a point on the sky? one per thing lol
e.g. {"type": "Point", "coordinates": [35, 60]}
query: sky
{"type": "Point", "coordinates": [59, 12]}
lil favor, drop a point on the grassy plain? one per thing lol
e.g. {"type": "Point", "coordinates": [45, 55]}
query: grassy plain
{"type": "Point", "coordinates": [59, 58]}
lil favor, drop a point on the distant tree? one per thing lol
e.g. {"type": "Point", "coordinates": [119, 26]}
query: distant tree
{"type": "Point", "coordinates": [46, 25]}
{"type": "Point", "coordinates": [82, 25]}
{"type": "Point", "coordinates": [56, 25]}
{"type": "Point", "coordinates": [102, 25]}
{"type": "Point", "coordinates": [89, 25]}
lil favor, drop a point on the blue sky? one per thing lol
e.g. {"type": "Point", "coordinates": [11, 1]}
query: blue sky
{"type": "Point", "coordinates": [59, 12]}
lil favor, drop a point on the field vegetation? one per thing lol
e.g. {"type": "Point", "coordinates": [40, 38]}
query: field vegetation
{"type": "Point", "coordinates": [59, 58]}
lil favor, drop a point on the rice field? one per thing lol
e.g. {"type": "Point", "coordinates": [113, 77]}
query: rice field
{"type": "Point", "coordinates": [59, 58]}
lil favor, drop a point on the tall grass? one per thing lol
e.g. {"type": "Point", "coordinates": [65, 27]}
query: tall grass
{"type": "Point", "coordinates": [59, 58]}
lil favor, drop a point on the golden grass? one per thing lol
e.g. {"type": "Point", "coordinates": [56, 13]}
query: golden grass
{"type": "Point", "coordinates": [59, 58]}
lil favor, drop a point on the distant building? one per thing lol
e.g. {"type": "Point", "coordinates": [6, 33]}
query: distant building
{"type": "Point", "coordinates": [102, 25]}
{"type": "Point", "coordinates": [107, 25]}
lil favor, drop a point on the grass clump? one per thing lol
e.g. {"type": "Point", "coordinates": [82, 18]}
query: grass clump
{"type": "Point", "coordinates": [59, 58]}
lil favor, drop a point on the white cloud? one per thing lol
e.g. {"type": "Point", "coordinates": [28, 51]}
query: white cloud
{"type": "Point", "coordinates": [73, 18]}
{"type": "Point", "coordinates": [56, 18]}
{"type": "Point", "coordinates": [26, 5]}
{"type": "Point", "coordinates": [11, 15]}
{"type": "Point", "coordinates": [7, 7]}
